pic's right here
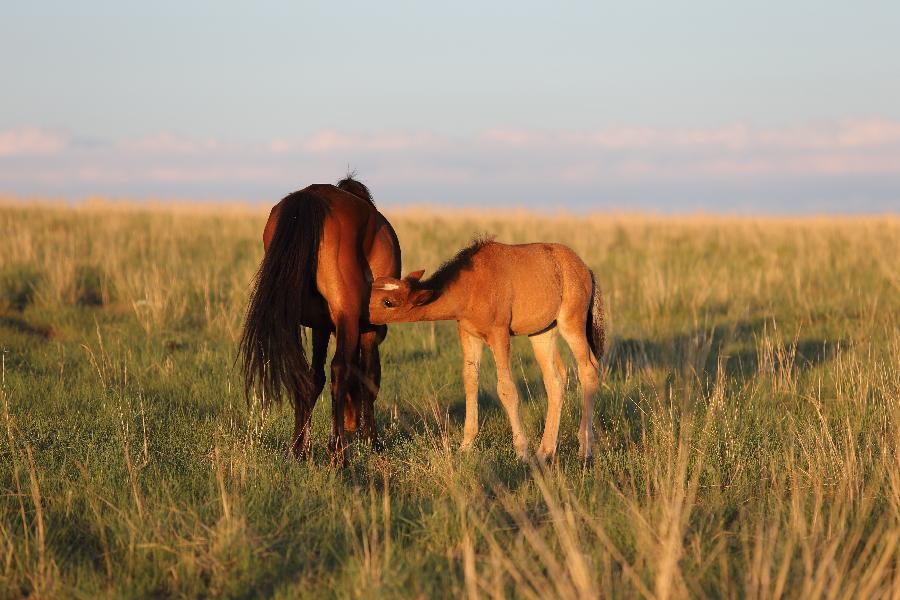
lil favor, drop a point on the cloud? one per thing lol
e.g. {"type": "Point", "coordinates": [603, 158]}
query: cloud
{"type": "Point", "coordinates": [170, 144]}
{"type": "Point", "coordinates": [814, 164]}
{"type": "Point", "coordinates": [31, 142]}
{"type": "Point", "coordinates": [330, 141]}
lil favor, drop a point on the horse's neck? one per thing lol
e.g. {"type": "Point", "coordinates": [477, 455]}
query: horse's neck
{"type": "Point", "coordinates": [445, 307]}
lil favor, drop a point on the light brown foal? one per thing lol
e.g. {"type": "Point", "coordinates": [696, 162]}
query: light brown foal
{"type": "Point", "coordinates": [495, 291]}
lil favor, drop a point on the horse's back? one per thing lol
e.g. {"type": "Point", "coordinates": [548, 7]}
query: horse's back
{"type": "Point", "coordinates": [369, 232]}
{"type": "Point", "coordinates": [541, 264]}
{"type": "Point", "coordinates": [356, 244]}
{"type": "Point", "coordinates": [349, 220]}
{"type": "Point", "coordinates": [339, 206]}
{"type": "Point", "coordinates": [528, 280]}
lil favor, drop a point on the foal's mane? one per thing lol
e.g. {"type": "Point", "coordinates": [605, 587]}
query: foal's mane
{"type": "Point", "coordinates": [461, 261]}
{"type": "Point", "coordinates": [357, 188]}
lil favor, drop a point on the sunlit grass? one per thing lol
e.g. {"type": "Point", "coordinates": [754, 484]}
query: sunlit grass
{"type": "Point", "coordinates": [747, 433]}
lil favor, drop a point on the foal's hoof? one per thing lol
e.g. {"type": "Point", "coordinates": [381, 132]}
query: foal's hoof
{"type": "Point", "coordinates": [587, 461]}
{"type": "Point", "coordinates": [544, 459]}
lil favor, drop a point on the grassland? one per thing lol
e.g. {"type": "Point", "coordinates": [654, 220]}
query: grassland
{"type": "Point", "coordinates": [748, 441]}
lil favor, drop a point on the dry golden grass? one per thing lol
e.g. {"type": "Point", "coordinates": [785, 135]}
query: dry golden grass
{"type": "Point", "coordinates": [747, 428]}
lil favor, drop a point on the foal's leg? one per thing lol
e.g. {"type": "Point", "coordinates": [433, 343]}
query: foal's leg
{"type": "Point", "coordinates": [574, 335]}
{"type": "Point", "coordinates": [369, 382]}
{"type": "Point", "coordinates": [471, 349]}
{"type": "Point", "coordinates": [303, 407]}
{"type": "Point", "coordinates": [560, 368]}
{"type": "Point", "coordinates": [506, 389]}
{"type": "Point", "coordinates": [547, 354]}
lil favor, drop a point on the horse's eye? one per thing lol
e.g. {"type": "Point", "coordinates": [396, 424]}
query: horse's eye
{"type": "Point", "coordinates": [387, 303]}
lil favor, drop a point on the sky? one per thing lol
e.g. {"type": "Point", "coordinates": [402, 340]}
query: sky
{"type": "Point", "coordinates": [786, 107]}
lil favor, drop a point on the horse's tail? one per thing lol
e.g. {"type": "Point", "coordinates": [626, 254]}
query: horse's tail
{"type": "Point", "coordinates": [595, 323]}
{"type": "Point", "coordinates": [355, 187]}
{"type": "Point", "coordinates": [271, 345]}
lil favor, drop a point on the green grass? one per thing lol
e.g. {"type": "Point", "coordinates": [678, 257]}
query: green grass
{"type": "Point", "coordinates": [747, 425]}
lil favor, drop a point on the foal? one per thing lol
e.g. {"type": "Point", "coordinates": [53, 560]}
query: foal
{"type": "Point", "coordinates": [494, 291]}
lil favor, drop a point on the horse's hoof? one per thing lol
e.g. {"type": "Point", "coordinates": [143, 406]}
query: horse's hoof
{"type": "Point", "coordinates": [587, 461]}
{"type": "Point", "coordinates": [301, 452]}
{"type": "Point", "coordinates": [338, 454]}
{"type": "Point", "coordinates": [467, 447]}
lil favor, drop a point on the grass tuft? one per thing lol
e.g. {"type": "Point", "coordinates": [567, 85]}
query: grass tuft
{"type": "Point", "coordinates": [18, 284]}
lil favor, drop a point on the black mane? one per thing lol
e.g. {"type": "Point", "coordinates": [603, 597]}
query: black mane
{"type": "Point", "coordinates": [462, 260]}
{"type": "Point", "coordinates": [357, 188]}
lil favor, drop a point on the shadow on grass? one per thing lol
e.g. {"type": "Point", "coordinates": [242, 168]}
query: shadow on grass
{"type": "Point", "coordinates": [737, 347]}
{"type": "Point", "coordinates": [18, 284]}
{"type": "Point", "coordinates": [20, 325]}
{"type": "Point", "coordinates": [733, 345]}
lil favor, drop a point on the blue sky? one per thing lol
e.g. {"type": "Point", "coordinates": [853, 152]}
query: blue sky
{"type": "Point", "coordinates": [764, 106]}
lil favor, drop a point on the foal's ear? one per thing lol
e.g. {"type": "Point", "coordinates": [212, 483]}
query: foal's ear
{"type": "Point", "coordinates": [420, 297]}
{"type": "Point", "coordinates": [415, 275]}
{"type": "Point", "coordinates": [386, 283]}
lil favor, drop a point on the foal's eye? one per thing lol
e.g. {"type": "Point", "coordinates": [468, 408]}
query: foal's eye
{"type": "Point", "coordinates": [387, 303]}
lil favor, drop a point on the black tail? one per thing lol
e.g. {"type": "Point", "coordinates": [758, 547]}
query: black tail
{"type": "Point", "coordinates": [596, 326]}
{"type": "Point", "coordinates": [271, 346]}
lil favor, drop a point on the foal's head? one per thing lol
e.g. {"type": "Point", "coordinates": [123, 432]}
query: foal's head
{"type": "Point", "coordinates": [393, 300]}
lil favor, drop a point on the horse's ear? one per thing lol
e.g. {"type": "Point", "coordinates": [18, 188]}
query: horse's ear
{"type": "Point", "coordinates": [420, 297]}
{"type": "Point", "coordinates": [386, 283]}
{"type": "Point", "coordinates": [415, 275]}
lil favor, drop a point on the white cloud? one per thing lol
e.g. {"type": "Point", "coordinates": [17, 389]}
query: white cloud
{"type": "Point", "coordinates": [501, 164]}
{"type": "Point", "coordinates": [330, 141]}
{"type": "Point", "coordinates": [31, 142]}
{"type": "Point", "coordinates": [169, 143]}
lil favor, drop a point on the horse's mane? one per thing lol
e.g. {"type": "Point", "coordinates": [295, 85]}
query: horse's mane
{"type": "Point", "coordinates": [357, 188]}
{"type": "Point", "coordinates": [462, 260]}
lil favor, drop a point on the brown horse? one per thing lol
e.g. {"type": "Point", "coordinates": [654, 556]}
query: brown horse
{"type": "Point", "coordinates": [494, 291]}
{"type": "Point", "coordinates": [324, 245]}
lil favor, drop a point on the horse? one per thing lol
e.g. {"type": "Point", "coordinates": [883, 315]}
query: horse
{"type": "Point", "coordinates": [494, 291]}
{"type": "Point", "coordinates": [324, 245]}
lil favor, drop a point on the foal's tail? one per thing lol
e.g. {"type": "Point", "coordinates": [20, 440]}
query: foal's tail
{"type": "Point", "coordinates": [271, 347]}
{"type": "Point", "coordinates": [595, 324]}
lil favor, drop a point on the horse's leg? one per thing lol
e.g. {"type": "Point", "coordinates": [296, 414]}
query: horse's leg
{"type": "Point", "coordinates": [574, 334]}
{"type": "Point", "coordinates": [506, 389]}
{"type": "Point", "coordinates": [471, 349]}
{"type": "Point", "coordinates": [369, 381]}
{"type": "Point", "coordinates": [546, 352]}
{"type": "Point", "coordinates": [352, 401]}
{"type": "Point", "coordinates": [303, 407]}
{"type": "Point", "coordinates": [346, 331]}
{"type": "Point", "coordinates": [561, 369]}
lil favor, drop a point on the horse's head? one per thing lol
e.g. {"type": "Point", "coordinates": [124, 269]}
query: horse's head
{"type": "Point", "coordinates": [393, 300]}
